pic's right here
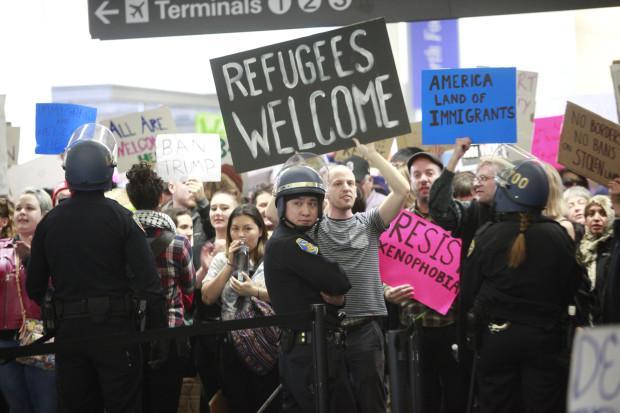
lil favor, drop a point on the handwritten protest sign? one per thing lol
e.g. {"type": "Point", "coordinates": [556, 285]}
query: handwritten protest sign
{"type": "Point", "coordinates": [12, 144]}
{"type": "Point", "coordinates": [382, 147]}
{"type": "Point", "coordinates": [479, 103]}
{"type": "Point", "coordinates": [189, 155]}
{"type": "Point", "coordinates": [615, 78]}
{"type": "Point", "coordinates": [416, 252]}
{"type": "Point", "coordinates": [46, 171]}
{"type": "Point", "coordinates": [590, 144]}
{"type": "Point", "coordinates": [214, 123]}
{"type": "Point", "coordinates": [310, 95]}
{"type": "Point", "coordinates": [55, 122]}
{"type": "Point", "coordinates": [414, 139]}
{"type": "Point", "coordinates": [136, 135]}
{"type": "Point", "coordinates": [594, 384]}
{"type": "Point", "coordinates": [526, 107]}
{"type": "Point", "coordinates": [546, 141]}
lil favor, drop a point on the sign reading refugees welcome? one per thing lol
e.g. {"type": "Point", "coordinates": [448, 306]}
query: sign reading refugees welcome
{"type": "Point", "coordinates": [478, 103]}
{"type": "Point", "coordinates": [312, 94]}
{"type": "Point", "coordinates": [136, 135]}
{"type": "Point", "coordinates": [590, 144]}
{"type": "Point", "coordinates": [419, 253]}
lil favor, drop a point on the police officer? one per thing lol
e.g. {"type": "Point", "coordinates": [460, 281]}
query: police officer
{"type": "Point", "coordinates": [98, 260]}
{"type": "Point", "coordinates": [297, 276]}
{"type": "Point", "coordinates": [525, 275]}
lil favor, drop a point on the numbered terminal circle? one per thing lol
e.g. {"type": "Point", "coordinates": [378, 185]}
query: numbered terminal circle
{"type": "Point", "coordinates": [279, 6]}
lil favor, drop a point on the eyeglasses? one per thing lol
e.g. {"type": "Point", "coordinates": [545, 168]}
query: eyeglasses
{"type": "Point", "coordinates": [483, 178]}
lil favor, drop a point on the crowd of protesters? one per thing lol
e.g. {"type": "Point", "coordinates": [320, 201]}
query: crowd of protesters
{"type": "Point", "coordinates": [527, 250]}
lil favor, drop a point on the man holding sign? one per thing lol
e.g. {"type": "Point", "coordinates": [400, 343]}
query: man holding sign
{"type": "Point", "coordinates": [440, 378]}
{"type": "Point", "coordinates": [352, 240]}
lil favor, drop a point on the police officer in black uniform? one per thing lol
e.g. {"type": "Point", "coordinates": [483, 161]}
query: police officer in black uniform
{"type": "Point", "coordinates": [525, 276]}
{"type": "Point", "coordinates": [297, 276]}
{"type": "Point", "coordinates": [101, 267]}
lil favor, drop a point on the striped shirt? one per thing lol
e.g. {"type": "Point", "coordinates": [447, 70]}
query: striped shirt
{"type": "Point", "coordinates": [354, 244]}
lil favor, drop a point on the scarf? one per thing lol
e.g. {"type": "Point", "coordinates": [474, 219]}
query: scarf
{"type": "Point", "coordinates": [587, 252]}
{"type": "Point", "coordinates": [154, 219]}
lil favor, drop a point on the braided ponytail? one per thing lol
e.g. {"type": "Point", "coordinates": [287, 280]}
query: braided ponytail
{"type": "Point", "coordinates": [517, 251]}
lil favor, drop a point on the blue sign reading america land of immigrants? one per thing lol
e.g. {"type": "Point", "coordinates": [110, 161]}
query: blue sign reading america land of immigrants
{"type": "Point", "coordinates": [478, 103]}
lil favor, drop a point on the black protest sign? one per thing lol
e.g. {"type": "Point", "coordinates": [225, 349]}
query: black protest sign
{"type": "Point", "coordinates": [312, 94]}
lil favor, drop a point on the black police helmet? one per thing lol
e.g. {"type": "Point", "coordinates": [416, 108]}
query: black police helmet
{"type": "Point", "coordinates": [296, 181]}
{"type": "Point", "coordinates": [524, 188]}
{"type": "Point", "coordinates": [90, 158]}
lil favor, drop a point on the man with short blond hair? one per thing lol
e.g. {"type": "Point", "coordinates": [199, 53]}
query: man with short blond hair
{"type": "Point", "coordinates": [352, 240]}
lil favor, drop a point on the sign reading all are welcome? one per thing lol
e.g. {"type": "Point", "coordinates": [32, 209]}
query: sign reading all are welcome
{"type": "Point", "coordinates": [478, 103]}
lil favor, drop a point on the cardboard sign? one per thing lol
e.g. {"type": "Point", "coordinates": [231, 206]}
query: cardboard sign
{"type": "Point", "coordinates": [546, 141]}
{"type": "Point", "coordinates": [136, 135]}
{"type": "Point", "coordinates": [12, 144]}
{"type": "Point", "coordinates": [615, 78]}
{"type": "Point", "coordinates": [55, 122]}
{"type": "Point", "coordinates": [310, 95]}
{"type": "Point", "coordinates": [44, 172]}
{"type": "Point", "coordinates": [590, 144]}
{"type": "Point", "coordinates": [414, 139]}
{"type": "Point", "coordinates": [526, 107]}
{"type": "Point", "coordinates": [594, 384]}
{"type": "Point", "coordinates": [189, 155]}
{"type": "Point", "coordinates": [419, 253]}
{"type": "Point", "coordinates": [382, 147]}
{"type": "Point", "coordinates": [479, 103]}
{"type": "Point", "coordinates": [214, 123]}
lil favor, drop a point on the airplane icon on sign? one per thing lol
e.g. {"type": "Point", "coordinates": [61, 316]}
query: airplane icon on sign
{"type": "Point", "coordinates": [136, 11]}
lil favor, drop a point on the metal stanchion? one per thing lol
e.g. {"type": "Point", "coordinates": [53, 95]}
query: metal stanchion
{"type": "Point", "coordinates": [319, 345]}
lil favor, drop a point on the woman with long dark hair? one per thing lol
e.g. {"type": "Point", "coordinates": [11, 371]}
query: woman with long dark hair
{"type": "Point", "coordinates": [244, 389]}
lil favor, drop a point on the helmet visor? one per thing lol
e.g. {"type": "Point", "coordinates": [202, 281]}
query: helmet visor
{"type": "Point", "coordinates": [316, 162]}
{"type": "Point", "coordinates": [96, 133]}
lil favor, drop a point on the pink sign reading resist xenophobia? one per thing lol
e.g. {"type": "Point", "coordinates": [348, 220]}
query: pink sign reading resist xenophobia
{"type": "Point", "coordinates": [546, 142]}
{"type": "Point", "coordinates": [419, 253]}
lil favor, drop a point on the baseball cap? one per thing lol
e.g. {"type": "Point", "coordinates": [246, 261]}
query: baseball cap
{"type": "Point", "coordinates": [359, 166]}
{"type": "Point", "coordinates": [426, 155]}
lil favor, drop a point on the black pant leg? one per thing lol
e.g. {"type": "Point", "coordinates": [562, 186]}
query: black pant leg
{"type": "Point", "coordinates": [112, 373]}
{"type": "Point", "coordinates": [498, 372]}
{"type": "Point", "coordinates": [365, 360]}
{"type": "Point", "coordinates": [162, 385]}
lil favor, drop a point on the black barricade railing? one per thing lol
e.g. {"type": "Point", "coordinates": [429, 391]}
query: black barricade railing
{"type": "Point", "coordinates": [312, 320]}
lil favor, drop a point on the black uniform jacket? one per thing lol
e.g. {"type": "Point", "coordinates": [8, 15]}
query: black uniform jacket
{"type": "Point", "coordinates": [84, 244]}
{"type": "Point", "coordinates": [296, 272]}
{"type": "Point", "coordinates": [537, 292]}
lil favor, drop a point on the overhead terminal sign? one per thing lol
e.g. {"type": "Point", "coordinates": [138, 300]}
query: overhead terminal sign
{"type": "Point", "coordinates": [126, 19]}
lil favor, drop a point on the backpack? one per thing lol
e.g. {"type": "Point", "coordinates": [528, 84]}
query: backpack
{"type": "Point", "coordinates": [257, 347]}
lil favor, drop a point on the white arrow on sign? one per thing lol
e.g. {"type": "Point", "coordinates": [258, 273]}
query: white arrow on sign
{"type": "Point", "coordinates": [102, 13]}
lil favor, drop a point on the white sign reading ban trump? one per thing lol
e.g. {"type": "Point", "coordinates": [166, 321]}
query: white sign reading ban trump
{"type": "Point", "coordinates": [189, 155]}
